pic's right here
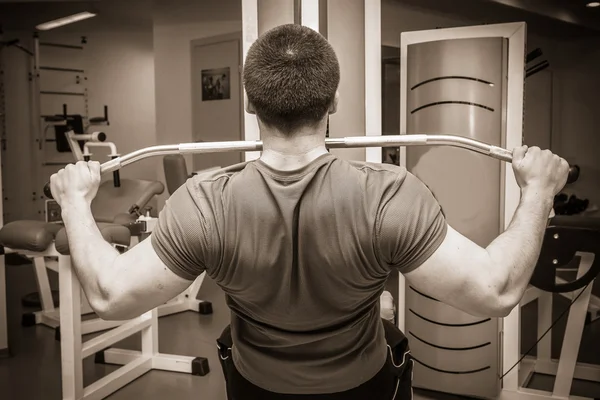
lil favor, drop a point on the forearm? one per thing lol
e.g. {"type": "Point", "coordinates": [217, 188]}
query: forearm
{"type": "Point", "coordinates": [92, 257]}
{"type": "Point", "coordinates": [515, 252]}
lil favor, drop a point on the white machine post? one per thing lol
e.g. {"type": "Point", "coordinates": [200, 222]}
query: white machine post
{"type": "Point", "coordinates": [443, 84]}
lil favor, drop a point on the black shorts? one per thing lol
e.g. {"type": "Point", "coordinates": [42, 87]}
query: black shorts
{"type": "Point", "coordinates": [392, 382]}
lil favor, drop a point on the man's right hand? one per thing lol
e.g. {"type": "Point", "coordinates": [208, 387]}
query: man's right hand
{"type": "Point", "coordinates": [540, 170]}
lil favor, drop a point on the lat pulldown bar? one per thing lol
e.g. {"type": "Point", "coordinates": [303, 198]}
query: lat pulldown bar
{"type": "Point", "coordinates": [496, 152]}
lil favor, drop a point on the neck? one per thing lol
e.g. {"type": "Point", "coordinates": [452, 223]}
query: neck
{"type": "Point", "coordinates": [288, 153]}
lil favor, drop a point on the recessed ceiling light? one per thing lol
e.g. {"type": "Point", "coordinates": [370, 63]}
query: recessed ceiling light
{"type": "Point", "coordinates": [65, 21]}
{"type": "Point", "coordinates": [593, 4]}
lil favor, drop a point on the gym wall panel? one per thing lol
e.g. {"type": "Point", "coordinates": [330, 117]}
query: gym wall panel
{"type": "Point", "coordinates": [220, 120]}
{"type": "Point", "coordinates": [456, 87]}
{"type": "Point", "coordinates": [538, 110]}
{"type": "Point", "coordinates": [345, 31]}
{"type": "Point", "coordinates": [272, 13]}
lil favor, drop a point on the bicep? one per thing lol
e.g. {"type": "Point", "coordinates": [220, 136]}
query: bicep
{"type": "Point", "coordinates": [141, 281]}
{"type": "Point", "coordinates": [458, 273]}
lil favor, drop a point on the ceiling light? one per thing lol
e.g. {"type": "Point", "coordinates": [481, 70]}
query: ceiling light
{"type": "Point", "coordinates": [593, 4]}
{"type": "Point", "coordinates": [65, 21]}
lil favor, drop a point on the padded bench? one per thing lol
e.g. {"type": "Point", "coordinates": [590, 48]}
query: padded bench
{"type": "Point", "coordinates": [43, 242]}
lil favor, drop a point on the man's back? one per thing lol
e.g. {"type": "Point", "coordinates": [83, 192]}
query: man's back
{"type": "Point", "coordinates": [303, 257]}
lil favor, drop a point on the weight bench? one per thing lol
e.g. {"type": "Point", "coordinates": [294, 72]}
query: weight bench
{"type": "Point", "coordinates": [34, 238]}
{"type": "Point", "coordinates": [37, 240]}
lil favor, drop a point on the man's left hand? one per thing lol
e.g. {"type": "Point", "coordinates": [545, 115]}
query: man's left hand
{"type": "Point", "coordinates": [76, 183]}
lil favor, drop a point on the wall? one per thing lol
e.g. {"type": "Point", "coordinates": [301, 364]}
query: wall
{"type": "Point", "coordinates": [119, 65]}
{"type": "Point", "coordinates": [175, 25]}
{"type": "Point", "coordinates": [576, 124]}
{"type": "Point", "coordinates": [346, 33]}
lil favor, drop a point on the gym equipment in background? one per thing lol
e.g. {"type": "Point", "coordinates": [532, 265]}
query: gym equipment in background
{"type": "Point", "coordinates": [110, 206]}
{"type": "Point", "coordinates": [79, 141]}
{"type": "Point", "coordinates": [540, 66]}
{"type": "Point", "coordinates": [41, 240]}
{"type": "Point", "coordinates": [484, 98]}
{"type": "Point", "coordinates": [49, 85]}
{"type": "Point", "coordinates": [570, 250]}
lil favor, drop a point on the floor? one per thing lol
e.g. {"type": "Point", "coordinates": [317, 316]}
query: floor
{"type": "Point", "coordinates": [34, 370]}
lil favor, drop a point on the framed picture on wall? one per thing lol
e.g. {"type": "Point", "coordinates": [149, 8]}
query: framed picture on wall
{"type": "Point", "coordinates": [215, 84]}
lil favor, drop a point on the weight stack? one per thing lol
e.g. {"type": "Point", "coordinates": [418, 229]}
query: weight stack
{"type": "Point", "coordinates": [457, 87]}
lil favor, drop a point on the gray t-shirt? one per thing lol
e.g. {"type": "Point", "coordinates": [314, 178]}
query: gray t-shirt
{"type": "Point", "coordinates": [302, 257]}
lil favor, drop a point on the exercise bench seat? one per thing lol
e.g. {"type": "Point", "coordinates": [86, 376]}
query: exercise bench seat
{"type": "Point", "coordinates": [33, 236]}
{"type": "Point", "coordinates": [37, 236]}
{"type": "Point", "coordinates": [44, 243]}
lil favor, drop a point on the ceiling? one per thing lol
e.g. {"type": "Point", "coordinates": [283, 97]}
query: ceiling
{"type": "Point", "coordinates": [551, 17]}
{"type": "Point", "coordinates": [572, 12]}
{"type": "Point", "coordinates": [112, 14]}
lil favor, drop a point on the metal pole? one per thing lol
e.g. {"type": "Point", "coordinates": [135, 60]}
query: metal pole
{"type": "Point", "coordinates": [498, 153]}
{"type": "Point", "coordinates": [332, 143]}
{"type": "Point", "coordinates": [36, 127]}
{"type": "Point", "coordinates": [36, 79]}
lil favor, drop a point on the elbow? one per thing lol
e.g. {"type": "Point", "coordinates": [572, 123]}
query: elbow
{"type": "Point", "coordinates": [501, 298]}
{"type": "Point", "coordinates": [101, 307]}
{"type": "Point", "coordinates": [501, 304]}
{"type": "Point", "coordinates": [501, 308]}
{"type": "Point", "coordinates": [104, 308]}
{"type": "Point", "coordinates": [107, 308]}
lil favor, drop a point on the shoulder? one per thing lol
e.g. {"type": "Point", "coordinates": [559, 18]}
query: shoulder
{"type": "Point", "coordinates": [219, 174]}
{"type": "Point", "coordinates": [377, 171]}
{"type": "Point", "coordinates": [377, 175]}
{"type": "Point", "coordinates": [213, 181]}
{"type": "Point", "coordinates": [393, 182]}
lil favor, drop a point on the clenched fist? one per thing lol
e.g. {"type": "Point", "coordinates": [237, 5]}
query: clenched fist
{"type": "Point", "coordinates": [540, 170]}
{"type": "Point", "coordinates": [76, 183]}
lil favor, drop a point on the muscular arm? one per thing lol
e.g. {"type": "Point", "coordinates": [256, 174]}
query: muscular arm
{"type": "Point", "coordinates": [487, 282]}
{"type": "Point", "coordinates": [118, 286]}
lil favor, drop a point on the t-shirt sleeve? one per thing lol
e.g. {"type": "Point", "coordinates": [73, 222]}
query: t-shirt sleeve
{"type": "Point", "coordinates": [411, 225]}
{"type": "Point", "coordinates": [181, 235]}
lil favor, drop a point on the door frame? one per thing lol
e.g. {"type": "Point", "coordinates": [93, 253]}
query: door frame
{"type": "Point", "coordinates": [228, 37]}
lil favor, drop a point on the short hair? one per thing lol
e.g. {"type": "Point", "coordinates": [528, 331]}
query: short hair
{"type": "Point", "coordinates": [291, 76]}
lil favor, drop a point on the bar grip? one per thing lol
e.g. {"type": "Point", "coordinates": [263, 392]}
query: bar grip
{"type": "Point", "coordinates": [116, 179]}
{"type": "Point", "coordinates": [116, 176]}
{"type": "Point", "coordinates": [48, 191]}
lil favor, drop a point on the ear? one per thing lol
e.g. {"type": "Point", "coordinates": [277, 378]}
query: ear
{"type": "Point", "coordinates": [334, 105]}
{"type": "Point", "coordinates": [248, 106]}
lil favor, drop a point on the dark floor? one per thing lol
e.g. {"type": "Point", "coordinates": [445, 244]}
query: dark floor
{"type": "Point", "coordinates": [34, 370]}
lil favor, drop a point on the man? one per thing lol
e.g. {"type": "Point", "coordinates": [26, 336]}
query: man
{"type": "Point", "coordinates": [302, 242]}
